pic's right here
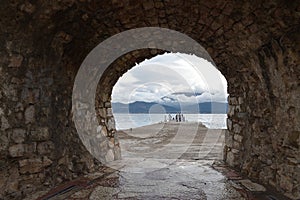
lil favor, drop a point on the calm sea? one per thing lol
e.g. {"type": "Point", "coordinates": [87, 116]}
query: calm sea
{"type": "Point", "coordinates": [127, 121]}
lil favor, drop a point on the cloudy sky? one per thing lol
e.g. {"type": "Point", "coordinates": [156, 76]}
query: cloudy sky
{"type": "Point", "coordinates": [185, 78]}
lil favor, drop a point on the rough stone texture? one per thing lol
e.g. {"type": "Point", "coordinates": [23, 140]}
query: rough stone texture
{"type": "Point", "coordinates": [252, 186]}
{"type": "Point", "coordinates": [103, 106]}
{"type": "Point", "coordinates": [254, 44]}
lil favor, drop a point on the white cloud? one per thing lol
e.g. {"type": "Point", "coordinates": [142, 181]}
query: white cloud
{"type": "Point", "coordinates": [171, 73]}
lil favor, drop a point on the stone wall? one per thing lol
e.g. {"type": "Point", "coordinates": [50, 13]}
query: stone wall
{"type": "Point", "coordinates": [39, 145]}
{"type": "Point", "coordinates": [254, 44]}
{"type": "Point", "coordinates": [263, 135]}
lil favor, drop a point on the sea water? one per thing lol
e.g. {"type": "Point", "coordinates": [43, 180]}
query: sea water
{"type": "Point", "coordinates": [127, 121]}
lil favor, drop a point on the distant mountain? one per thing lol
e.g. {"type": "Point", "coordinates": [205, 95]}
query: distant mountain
{"type": "Point", "coordinates": [206, 107]}
{"type": "Point", "coordinates": [153, 107]}
{"type": "Point", "coordinates": [142, 107]}
{"type": "Point", "coordinates": [120, 107]}
{"type": "Point", "coordinates": [188, 94]}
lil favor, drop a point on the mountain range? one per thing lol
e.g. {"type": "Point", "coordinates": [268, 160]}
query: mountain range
{"type": "Point", "coordinates": [159, 107]}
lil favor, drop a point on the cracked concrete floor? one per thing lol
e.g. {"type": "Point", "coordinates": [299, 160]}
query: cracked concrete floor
{"type": "Point", "coordinates": [157, 166]}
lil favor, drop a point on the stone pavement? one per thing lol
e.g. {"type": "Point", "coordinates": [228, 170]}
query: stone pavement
{"type": "Point", "coordinates": [198, 173]}
{"type": "Point", "coordinates": [181, 180]}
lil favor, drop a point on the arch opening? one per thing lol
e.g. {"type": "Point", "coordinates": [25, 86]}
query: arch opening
{"type": "Point", "coordinates": [179, 83]}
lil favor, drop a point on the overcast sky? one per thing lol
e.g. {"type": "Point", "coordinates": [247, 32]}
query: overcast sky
{"type": "Point", "coordinates": [171, 75]}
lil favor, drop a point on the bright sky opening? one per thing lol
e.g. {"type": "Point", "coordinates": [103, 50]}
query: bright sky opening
{"type": "Point", "coordinates": [172, 76]}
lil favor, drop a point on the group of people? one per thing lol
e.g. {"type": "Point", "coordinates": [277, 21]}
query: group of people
{"type": "Point", "coordinates": [179, 117]}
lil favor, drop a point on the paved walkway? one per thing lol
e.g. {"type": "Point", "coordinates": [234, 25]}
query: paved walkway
{"type": "Point", "coordinates": [157, 166]}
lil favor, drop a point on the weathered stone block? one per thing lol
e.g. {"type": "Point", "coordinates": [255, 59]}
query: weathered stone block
{"type": "Point", "coordinates": [4, 124]}
{"type": "Point", "coordinates": [231, 111]}
{"type": "Point", "coordinates": [293, 139]}
{"type": "Point", "coordinates": [238, 138]}
{"type": "Point", "coordinates": [252, 186]}
{"type": "Point", "coordinates": [101, 131]}
{"type": "Point", "coordinates": [33, 165]}
{"type": "Point", "coordinates": [102, 112]}
{"type": "Point", "coordinates": [111, 124]}
{"type": "Point", "coordinates": [117, 153]}
{"type": "Point", "coordinates": [32, 96]}
{"type": "Point", "coordinates": [46, 161]}
{"type": "Point", "coordinates": [104, 132]}
{"type": "Point", "coordinates": [45, 147]}
{"type": "Point", "coordinates": [231, 159]}
{"type": "Point", "coordinates": [18, 135]}
{"type": "Point", "coordinates": [236, 145]}
{"type": "Point", "coordinates": [13, 180]}
{"type": "Point", "coordinates": [237, 109]}
{"type": "Point", "coordinates": [257, 113]}
{"type": "Point", "coordinates": [4, 142]}
{"type": "Point", "coordinates": [99, 128]}
{"type": "Point", "coordinates": [29, 114]}
{"type": "Point", "coordinates": [19, 107]}
{"type": "Point", "coordinates": [16, 80]}
{"type": "Point", "coordinates": [30, 166]}
{"type": "Point", "coordinates": [109, 112]}
{"type": "Point", "coordinates": [293, 161]}
{"type": "Point", "coordinates": [237, 128]}
{"type": "Point", "coordinates": [240, 100]}
{"type": "Point", "coordinates": [3, 180]}
{"type": "Point", "coordinates": [229, 124]}
{"type": "Point", "coordinates": [17, 150]}
{"type": "Point", "coordinates": [109, 157]}
{"type": "Point", "coordinates": [28, 178]}
{"type": "Point", "coordinates": [242, 115]}
{"type": "Point", "coordinates": [266, 175]}
{"type": "Point", "coordinates": [30, 148]}
{"type": "Point", "coordinates": [232, 101]}
{"type": "Point", "coordinates": [111, 143]}
{"type": "Point", "coordinates": [228, 139]}
{"type": "Point", "coordinates": [40, 134]}
{"type": "Point", "coordinates": [235, 151]}
{"type": "Point", "coordinates": [19, 116]}
{"type": "Point", "coordinates": [104, 145]}
{"type": "Point", "coordinates": [107, 104]}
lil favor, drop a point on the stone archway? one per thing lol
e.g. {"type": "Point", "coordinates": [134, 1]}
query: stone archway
{"type": "Point", "coordinates": [95, 67]}
{"type": "Point", "coordinates": [255, 45]}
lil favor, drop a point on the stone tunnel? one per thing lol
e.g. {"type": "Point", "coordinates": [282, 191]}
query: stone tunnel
{"type": "Point", "coordinates": [255, 45]}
